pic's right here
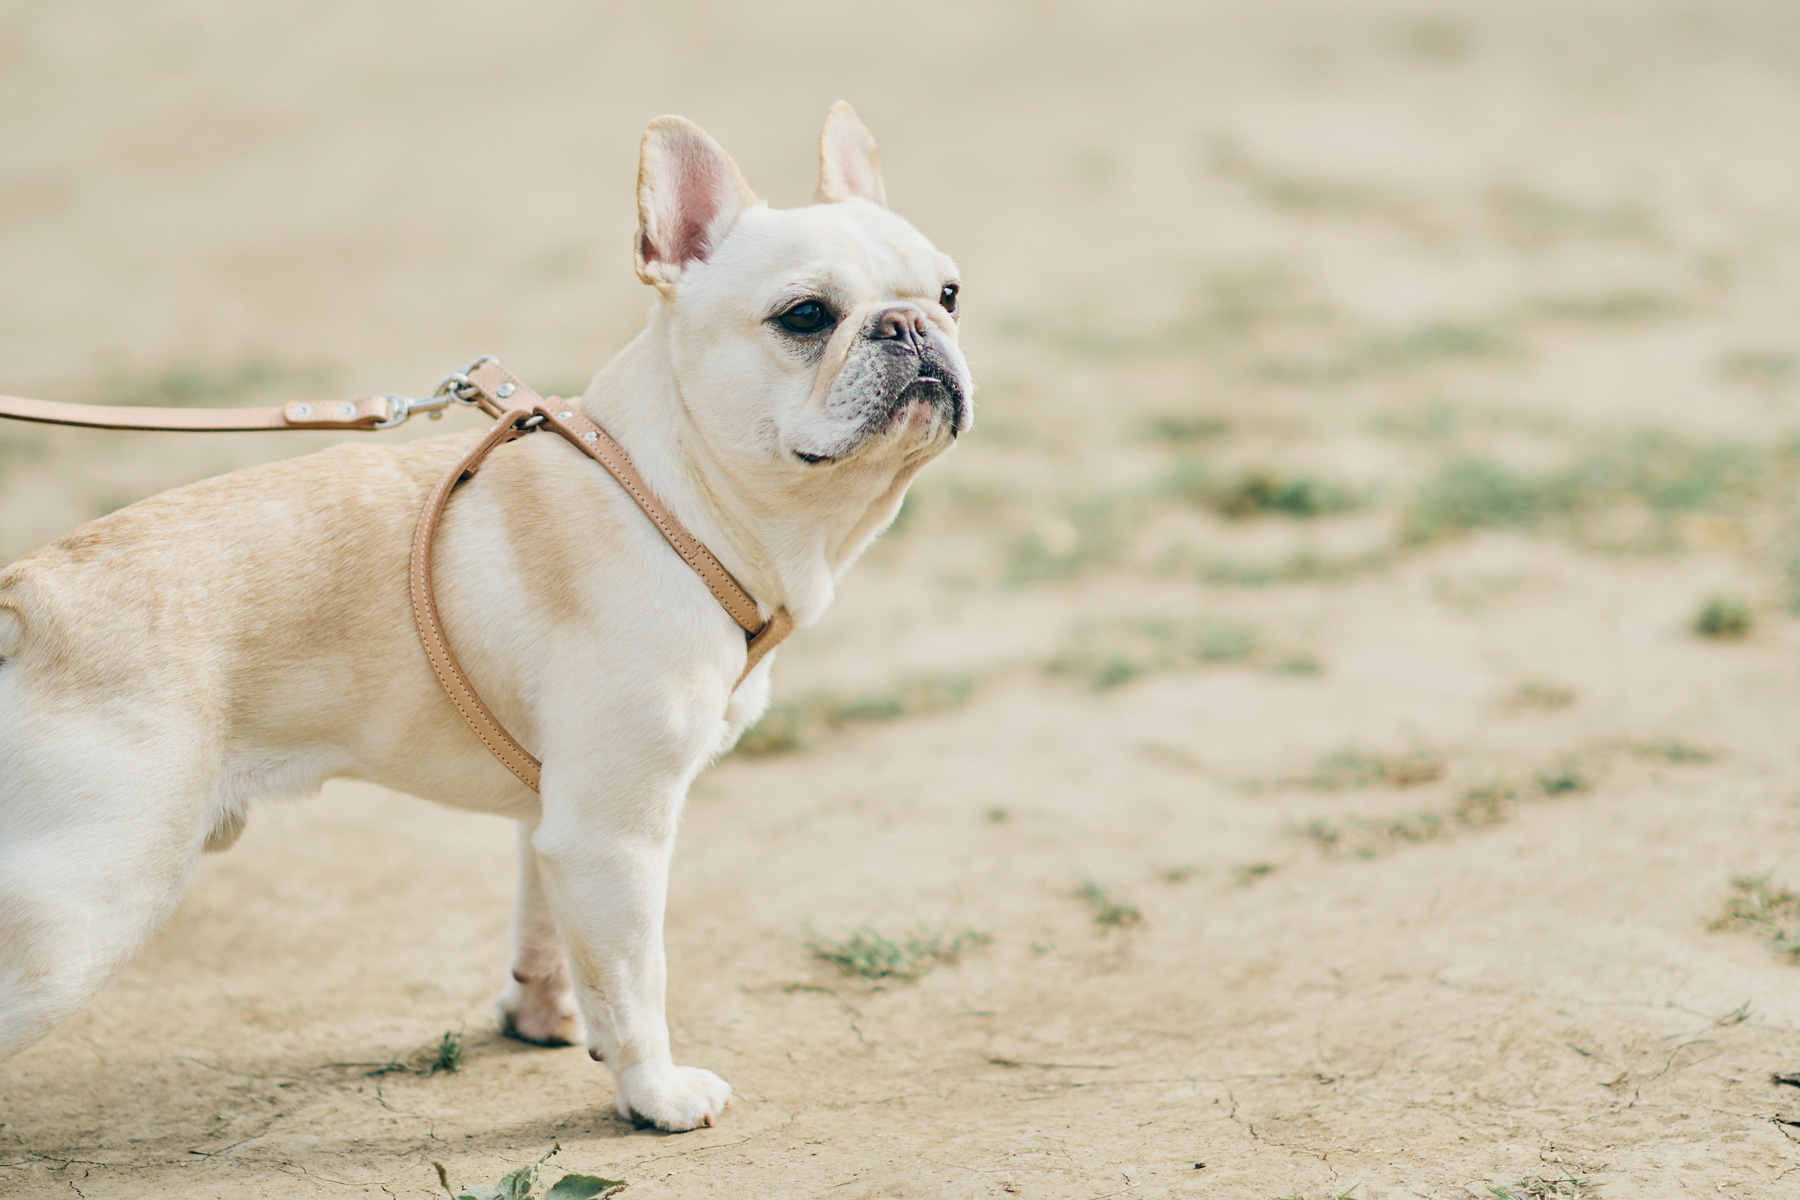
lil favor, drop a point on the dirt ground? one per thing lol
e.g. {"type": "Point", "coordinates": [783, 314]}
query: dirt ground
{"type": "Point", "coordinates": [1300, 673]}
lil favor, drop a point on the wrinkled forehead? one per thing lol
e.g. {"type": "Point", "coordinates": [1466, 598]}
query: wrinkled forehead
{"type": "Point", "coordinates": [850, 252]}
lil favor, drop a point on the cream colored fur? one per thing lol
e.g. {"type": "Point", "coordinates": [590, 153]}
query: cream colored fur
{"type": "Point", "coordinates": [170, 666]}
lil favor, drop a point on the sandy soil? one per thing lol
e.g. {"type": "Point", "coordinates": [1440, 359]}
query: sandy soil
{"type": "Point", "coordinates": [1372, 397]}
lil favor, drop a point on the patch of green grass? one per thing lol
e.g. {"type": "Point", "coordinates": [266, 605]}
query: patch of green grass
{"type": "Point", "coordinates": [522, 1184]}
{"type": "Point", "coordinates": [1654, 470]}
{"type": "Point", "coordinates": [1530, 218]}
{"type": "Point", "coordinates": [1106, 654]}
{"type": "Point", "coordinates": [1109, 912]}
{"type": "Point", "coordinates": [1759, 904]}
{"type": "Point", "coordinates": [1766, 370]}
{"type": "Point", "coordinates": [1724, 617]}
{"type": "Point", "coordinates": [1305, 566]}
{"type": "Point", "coordinates": [1478, 808]}
{"type": "Point", "coordinates": [1183, 429]}
{"type": "Point", "coordinates": [785, 728]}
{"type": "Point", "coordinates": [1348, 768]}
{"type": "Point", "coordinates": [870, 954]}
{"type": "Point", "coordinates": [444, 1055]}
{"type": "Point", "coordinates": [1475, 493]}
{"type": "Point", "coordinates": [1536, 1187]}
{"type": "Point", "coordinates": [1256, 492]}
{"type": "Point", "coordinates": [1621, 307]}
{"type": "Point", "coordinates": [1542, 695]}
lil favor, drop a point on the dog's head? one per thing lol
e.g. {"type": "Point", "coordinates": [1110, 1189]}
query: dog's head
{"type": "Point", "coordinates": [815, 349]}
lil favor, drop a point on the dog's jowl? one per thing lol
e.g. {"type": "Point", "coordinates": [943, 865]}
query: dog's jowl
{"type": "Point", "coordinates": [166, 667]}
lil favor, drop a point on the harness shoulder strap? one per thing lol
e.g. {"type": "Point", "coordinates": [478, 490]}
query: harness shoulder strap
{"type": "Point", "coordinates": [495, 385]}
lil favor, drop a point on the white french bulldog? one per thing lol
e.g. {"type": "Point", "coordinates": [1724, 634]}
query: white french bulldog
{"type": "Point", "coordinates": [165, 667]}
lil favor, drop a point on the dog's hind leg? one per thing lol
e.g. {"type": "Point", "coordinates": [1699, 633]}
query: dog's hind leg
{"type": "Point", "coordinates": [538, 1004]}
{"type": "Point", "coordinates": [99, 832]}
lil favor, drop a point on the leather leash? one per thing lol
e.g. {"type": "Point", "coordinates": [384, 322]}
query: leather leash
{"type": "Point", "coordinates": [486, 385]}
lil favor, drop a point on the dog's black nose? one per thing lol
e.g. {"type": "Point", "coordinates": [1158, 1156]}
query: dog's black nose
{"type": "Point", "coordinates": [902, 323]}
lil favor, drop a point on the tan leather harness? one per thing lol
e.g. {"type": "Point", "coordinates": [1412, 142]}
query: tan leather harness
{"type": "Point", "coordinates": [486, 385]}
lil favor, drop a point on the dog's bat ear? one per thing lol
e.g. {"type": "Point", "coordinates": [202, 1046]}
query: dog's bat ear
{"type": "Point", "coordinates": [849, 164]}
{"type": "Point", "coordinates": [689, 195]}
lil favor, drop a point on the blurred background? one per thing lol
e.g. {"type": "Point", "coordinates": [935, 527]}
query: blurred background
{"type": "Point", "coordinates": [1351, 662]}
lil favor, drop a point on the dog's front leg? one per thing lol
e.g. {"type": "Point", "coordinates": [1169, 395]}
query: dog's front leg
{"type": "Point", "coordinates": [603, 850]}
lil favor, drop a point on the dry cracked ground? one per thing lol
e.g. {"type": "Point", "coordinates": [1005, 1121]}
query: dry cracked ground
{"type": "Point", "coordinates": [1333, 717]}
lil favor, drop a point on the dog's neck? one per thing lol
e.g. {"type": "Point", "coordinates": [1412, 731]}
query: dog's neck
{"type": "Point", "coordinates": [782, 558]}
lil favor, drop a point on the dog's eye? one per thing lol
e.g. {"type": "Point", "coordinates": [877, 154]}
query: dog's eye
{"type": "Point", "coordinates": [808, 316]}
{"type": "Point", "coordinates": [947, 297]}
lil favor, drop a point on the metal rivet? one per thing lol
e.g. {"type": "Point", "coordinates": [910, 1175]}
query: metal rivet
{"type": "Point", "coordinates": [346, 411]}
{"type": "Point", "coordinates": [590, 437]}
{"type": "Point", "coordinates": [504, 390]}
{"type": "Point", "coordinates": [565, 414]}
{"type": "Point", "coordinates": [303, 411]}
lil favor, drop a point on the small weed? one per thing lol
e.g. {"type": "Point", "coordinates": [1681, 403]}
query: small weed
{"type": "Point", "coordinates": [1736, 1016]}
{"type": "Point", "coordinates": [869, 954]}
{"type": "Point", "coordinates": [1248, 873]}
{"type": "Point", "coordinates": [449, 1052]}
{"type": "Point", "coordinates": [1671, 750]}
{"type": "Point", "coordinates": [1539, 694]}
{"type": "Point", "coordinates": [1757, 903]}
{"type": "Point", "coordinates": [1344, 769]}
{"type": "Point", "coordinates": [999, 816]}
{"type": "Point", "coordinates": [522, 1184]}
{"type": "Point", "coordinates": [1180, 874]}
{"type": "Point", "coordinates": [1108, 911]}
{"type": "Point", "coordinates": [1536, 1187]}
{"type": "Point", "coordinates": [1562, 778]}
{"type": "Point", "coordinates": [1724, 617]}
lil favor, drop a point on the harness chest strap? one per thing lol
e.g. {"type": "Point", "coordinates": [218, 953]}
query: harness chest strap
{"type": "Point", "coordinates": [494, 383]}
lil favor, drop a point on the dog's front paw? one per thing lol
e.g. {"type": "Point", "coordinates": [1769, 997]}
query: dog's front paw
{"type": "Point", "coordinates": [671, 1098]}
{"type": "Point", "coordinates": [542, 1011]}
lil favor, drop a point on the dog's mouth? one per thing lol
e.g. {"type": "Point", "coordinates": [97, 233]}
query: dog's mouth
{"type": "Point", "coordinates": [935, 396]}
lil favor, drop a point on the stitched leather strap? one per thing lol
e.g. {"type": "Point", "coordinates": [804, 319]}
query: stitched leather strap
{"type": "Point", "coordinates": [496, 385]}
{"type": "Point", "coordinates": [449, 672]}
{"type": "Point", "coordinates": [365, 413]}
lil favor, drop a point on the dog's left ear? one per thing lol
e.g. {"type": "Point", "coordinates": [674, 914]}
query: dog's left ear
{"type": "Point", "coordinates": [849, 164]}
{"type": "Point", "coordinates": [690, 194]}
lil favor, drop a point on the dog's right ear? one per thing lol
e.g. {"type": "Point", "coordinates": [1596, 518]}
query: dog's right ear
{"type": "Point", "coordinates": [689, 195]}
